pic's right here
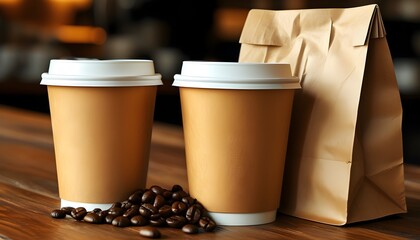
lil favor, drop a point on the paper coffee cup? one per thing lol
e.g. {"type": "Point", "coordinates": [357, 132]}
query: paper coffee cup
{"type": "Point", "coordinates": [236, 120]}
{"type": "Point", "coordinates": [102, 115]}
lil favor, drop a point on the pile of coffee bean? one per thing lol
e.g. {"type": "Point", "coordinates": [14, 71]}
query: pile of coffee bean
{"type": "Point", "coordinates": [155, 207]}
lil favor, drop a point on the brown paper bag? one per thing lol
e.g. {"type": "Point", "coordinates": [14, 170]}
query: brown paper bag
{"type": "Point", "coordinates": [344, 161]}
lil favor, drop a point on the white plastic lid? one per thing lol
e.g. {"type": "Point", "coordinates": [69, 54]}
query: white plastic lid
{"type": "Point", "coordinates": [234, 75]}
{"type": "Point", "coordinates": [101, 73]}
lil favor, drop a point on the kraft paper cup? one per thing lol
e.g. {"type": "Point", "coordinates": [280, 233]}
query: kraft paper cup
{"type": "Point", "coordinates": [102, 115]}
{"type": "Point", "coordinates": [236, 121]}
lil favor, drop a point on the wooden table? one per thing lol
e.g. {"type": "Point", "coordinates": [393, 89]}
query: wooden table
{"type": "Point", "coordinates": [28, 192]}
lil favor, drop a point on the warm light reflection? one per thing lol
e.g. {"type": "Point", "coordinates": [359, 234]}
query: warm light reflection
{"type": "Point", "coordinates": [10, 2]}
{"type": "Point", "coordinates": [78, 3]}
{"type": "Point", "coordinates": [81, 34]}
{"type": "Point", "coordinates": [229, 22]}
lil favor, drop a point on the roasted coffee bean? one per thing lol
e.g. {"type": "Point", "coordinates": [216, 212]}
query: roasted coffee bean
{"type": "Point", "coordinates": [193, 214]}
{"type": "Point", "coordinates": [207, 224]}
{"type": "Point", "coordinates": [67, 210]}
{"type": "Point", "coordinates": [157, 190]}
{"type": "Point", "coordinates": [199, 205]}
{"type": "Point", "coordinates": [92, 217]}
{"type": "Point", "coordinates": [179, 207]}
{"type": "Point", "coordinates": [121, 221]}
{"type": "Point", "coordinates": [202, 209]}
{"type": "Point", "coordinates": [176, 188]}
{"type": "Point", "coordinates": [148, 197]}
{"type": "Point", "coordinates": [139, 220]}
{"type": "Point", "coordinates": [165, 211]}
{"type": "Point", "coordinates": [109, 218]}
{"type": "Point", "coordinates": [116, 211]}
{"type": "Point", "coordinates": [79, 213]}
{"type": "Point", "coordinates": [126, 205]}
{"type": "Point", "coordinates": [159, 201]}
{"type": "Point", "coordinates": [177, 196]}
{"type": "Point", "coordinates": [103, 214]}
{"type": "Point", "coordinates": [167, 194]}
{"type": "Point", "coordinates": [176, 221]}
{"type": "Point", "coordinates": [135, 198]}
{"type": "Point", "coordinates": [149, 232]}
{"type": "Point", "coordinates": [58, 213]}
{"type": "Point", "coordinates": [131, 212]}
{"type": "Point", "coordinates": [189, 200]}
{"type": "Point", "coordinates": [155, 216]}
{"type": "Point", "coordinates": [160, 222]}
{"type": "Point", "coordinates": [190, 229]}
{"type": "Point", "coordinates": [147, 210]}
{"type": "Point", "coordinates": [116, 204]}
{"type": "Point", "coordinates": [135, 206]}
{"type": "Point", "coordinates": [96, 210]}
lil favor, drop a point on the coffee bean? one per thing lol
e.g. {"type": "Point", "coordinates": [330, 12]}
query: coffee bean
{"type": "Point", "coordinates": [189, 200]}
{"type": "Point", "coordinates": [159, 201]}
{"type": "Point", "coordinates": [177, 196]}
{"type": "Point", "coordinates": [147, 210]}
{"type": "Point", "coordinates": [135, 198]}
{"type": "Point", "coordinates": [116, 211]}
{"type": "Point", "coordinates": [109, 218]}
{"type": "Point", "coordinates": [58, 213]}
{"type": "Point", "coordinates": [179, 207]}
{"type": "Point", "coordinates": [160, 222]}
{"type": "Point", "coordinates": [207, 224]}
{"type": "Point", "coordinates": [92, 217]}
{"type": "Point", "coordinates": [121, 221]}
{"type": "Point", "coordinates": [67, 210]}
{"type": "Point", "coordinates": [190, 229]}
{"type": "Point", "coordinates": [176, 188]}
{"type": "Point", "coordinates": [135, 206]}
{"type": "Point", "coordinates": [157, 190]}
{"type": "Point", "coordinates": [167, 194]}
{"type": "Point", "coordinates": [78, 213]}
{"type": "Point", "coordinates": [149, 207]}
{"type": "Point", "coordinates": [116, 204]}
{"type": "Point", "coordinates": [202, 209]}
{"type": "Point", "coordinates": [155, 216]}
{"type": "Point", "coordinates": [126, 205]}
{"type": "Point", "coordinates": [148, 197]}
{"type": "Point", "coordinates": [149, 232]}
{"type": "Point", "coordinates": [139, 220]}
{"type": "Point", "coordinates": [199, 205]}
{"type": "Point", "coordinates": [96, 210]}
{"type": "Point", "coordinates": [165, 211]}
{"type": "Point", "coordinates": [131, 212]}
{"type": "Point", "coordinates": [193, 214]}
{"type": "Point", "coordinates": [176, 221]}
{"type": "Point", "coordinates": [103, 214]}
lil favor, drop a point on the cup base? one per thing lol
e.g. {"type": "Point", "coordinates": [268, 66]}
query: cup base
{"type": "Point", "coordinates": [88, 206]}
{"type": "Point", "coordinates": [243, 219]}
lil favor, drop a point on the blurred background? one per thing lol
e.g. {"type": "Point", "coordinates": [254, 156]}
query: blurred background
{"type": "Point", "coordinates": [170, 31]}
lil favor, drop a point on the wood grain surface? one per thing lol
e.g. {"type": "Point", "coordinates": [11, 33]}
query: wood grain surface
{"type": "Point", "coordinates": [28, 192]}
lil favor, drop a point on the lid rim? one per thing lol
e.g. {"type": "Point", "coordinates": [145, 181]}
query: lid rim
{"type": "Point", "coordinates": [292, 79]}
{"type": "Point", "coordinates": [99, 77]}
{"type": "Point", "coordinates": [289, 82]}
{"type": "Point", "coordinates": [233, 86]}
{"type": "Point", "coordinates": [101, 84]}
{"type": "Point", "coordinates": [101, 81]}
